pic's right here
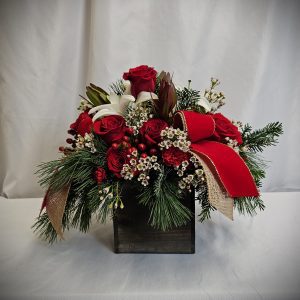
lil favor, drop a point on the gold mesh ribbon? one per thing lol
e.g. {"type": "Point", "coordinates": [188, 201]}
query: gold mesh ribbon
{"type": "Point", "coordinates": [55, 207]}
{"type": "Point", "coordinates": [216, 196]}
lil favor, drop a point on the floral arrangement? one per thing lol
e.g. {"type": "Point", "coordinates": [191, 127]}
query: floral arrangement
{"type": "Point", "coordinates": [164, 140]}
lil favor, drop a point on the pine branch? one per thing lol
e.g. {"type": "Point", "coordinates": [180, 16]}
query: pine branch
{"type": "Point", "coordinates": [248, 205]}
{"type": "Point", "coordinates": [44, 229]}
{"type": "Point", "coordinates": [207, 208]}
{"type": "Point", "coordinates": [117, 87]}
{"type": "Point", "coordinates": [163, 200]}
{"type": "Point", "coordinates": [257, 140]}
{"type": "Point", "coordinates": [77, 166]}
{"type": "Point", "coordinates": [81, 205]}
{"type": "Point", "coordinates": [187, 98]}
{"type": "Point", "coordinates": [83, 199]}
{"type": "Point", "coordinates": [256, 165]}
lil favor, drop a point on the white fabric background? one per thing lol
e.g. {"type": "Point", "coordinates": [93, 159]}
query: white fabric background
{"type": "Point", "coordinates": [49, 50]}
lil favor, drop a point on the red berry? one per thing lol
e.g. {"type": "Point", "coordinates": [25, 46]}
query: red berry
{"type": "Point", "coordinates": [69, 141]}
{"type": "Point", "coordinates": [115, 146]}
{"type": "Point", "coordinates": [144, 155]}
{"type": "Point", "coordinates": [142, 147]}
{"type": "Point", "coordinates": [126, 138]}
{"type": "Point", "coordinates": [132, 149]}
{"type": "Point", "coordinates": [61, 149]}
{"type": "Point", "coordinates": [129, 131]}
{"type": "Point", "coordinates": [153, 151]}
{"type": "Point", "coordinates": [71, 131]}
{"type": "Point", "coordinates": [136, 141]}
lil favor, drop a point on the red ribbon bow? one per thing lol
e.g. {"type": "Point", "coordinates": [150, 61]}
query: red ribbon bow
{"type": "Point", "coordinates": [227, 166]}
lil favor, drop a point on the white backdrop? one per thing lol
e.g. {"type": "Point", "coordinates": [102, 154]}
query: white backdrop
{"type": "Point", "coordinates": [49, 50]}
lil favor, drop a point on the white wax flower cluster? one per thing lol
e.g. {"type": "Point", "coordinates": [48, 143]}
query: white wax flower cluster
{"type": "Point", "coordinates": [215, 98]}
{"type": "Point", "coordinates": [174, 137]}
{"type": "Point", "coordinates": [85, 142]}
{"type": "Point", "coordinates": [192, 179]}
{"type": "Point", "coordinates": [141, 165]}
{"type": "Point", "coordinates": [137, 115]}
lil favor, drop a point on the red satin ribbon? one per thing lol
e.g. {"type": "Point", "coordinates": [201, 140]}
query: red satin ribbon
{"type": "Point", "coordinates": [228, 167]}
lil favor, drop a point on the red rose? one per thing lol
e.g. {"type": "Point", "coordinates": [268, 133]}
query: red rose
{"type": "Point", "coordinates": [83, 124]}
{"type": "Point", "coordinates": [142, 78]}
{"type": "Point", "coordinates": [224, 128]}
{"type": "Point", "coordinates": [110, 128]}
{"type": "Point", "coordinates": [100, 174]}
{"type": "Point", "coordinates": [174, 157]}
{"type": "Point", "coordinates": [116, 158]}
{"type": "Point", "coordinates": [151, 130]}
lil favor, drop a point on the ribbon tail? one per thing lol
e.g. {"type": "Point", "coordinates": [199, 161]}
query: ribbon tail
{"type": "Point", "coordinates": [44, 202]}
{"type": "Point", "coordinates": [228, 167]}
{"type": "Point", "coordinates": [216, 196]}
{"type": "Point", "coordinates": [55, 207]}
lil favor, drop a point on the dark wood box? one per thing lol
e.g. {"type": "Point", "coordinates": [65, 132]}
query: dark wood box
{"type": "Point", "coordinates": [132, 234]}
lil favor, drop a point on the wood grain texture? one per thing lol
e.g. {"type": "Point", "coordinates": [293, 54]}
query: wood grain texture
{"type": "Point", "coordinates": [132, 234]}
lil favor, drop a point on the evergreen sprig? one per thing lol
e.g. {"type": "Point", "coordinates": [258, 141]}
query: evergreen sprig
{"type": "Point", "coordinates": [164, 202]}
{"type": "Point", "coordinates": [80, 208]}
{"type": "Point", "coordinates": [257, 140]}
{"type": "Point", "coordinates": [257, 166]}
{"type": "Point", "coordinates": [83, 200]}
{"type": "Point", "coordinates": [248, 205]}
{"type": "Point", "coordinates": [202, 197]}
{"type": "Point", "coordinates": [117, 87]}
{"type": "Point", "coordinates": [78, 167]}
{"type": "Point", "coordinates": [187, 98]}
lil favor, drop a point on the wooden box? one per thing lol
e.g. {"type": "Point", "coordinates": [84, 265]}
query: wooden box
{"type": "Point", "coordinates": [132, 234]}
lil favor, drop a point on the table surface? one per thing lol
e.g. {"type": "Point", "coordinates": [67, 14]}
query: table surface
{"type": "Point", "coordinates": [249, 258]}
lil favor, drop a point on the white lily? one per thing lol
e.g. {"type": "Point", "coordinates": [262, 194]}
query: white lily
{"type": "Point", "coordinates": [118, 104]}
{"type": "Point", "coordinates": [203, 102]}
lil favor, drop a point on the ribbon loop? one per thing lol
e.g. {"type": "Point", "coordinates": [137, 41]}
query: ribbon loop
{"type": "Point", "coordinates": [198, 126]}
{"type": "Point", "coordinates": [229, 169]}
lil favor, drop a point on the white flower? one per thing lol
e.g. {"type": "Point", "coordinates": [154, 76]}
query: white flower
{"type": "Point", "coordinates": [118, 104]}
{"type": "Point", "coordinates": [203, 102]}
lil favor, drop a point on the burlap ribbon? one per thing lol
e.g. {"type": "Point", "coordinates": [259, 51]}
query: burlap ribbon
{"type": "Point", "coordinates": [55, 203]}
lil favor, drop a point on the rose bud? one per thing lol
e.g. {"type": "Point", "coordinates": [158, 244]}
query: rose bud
{"type": "Point", "coordinates": [142, 79]}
